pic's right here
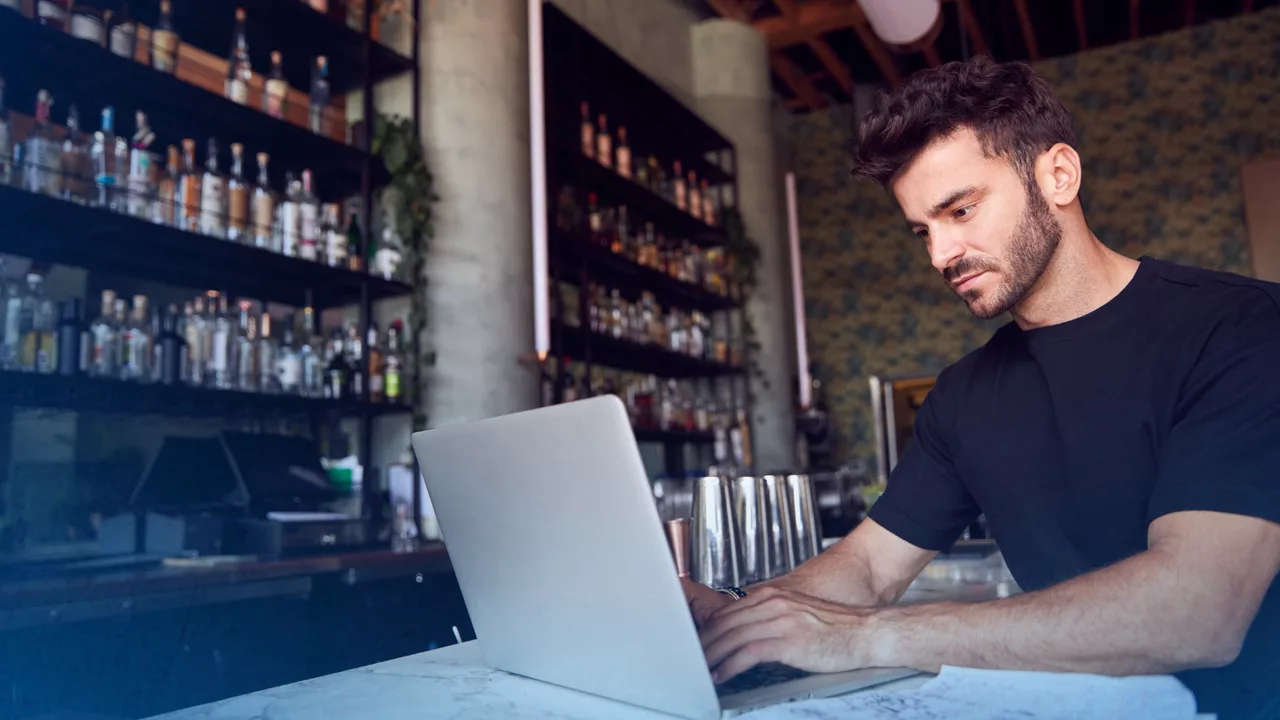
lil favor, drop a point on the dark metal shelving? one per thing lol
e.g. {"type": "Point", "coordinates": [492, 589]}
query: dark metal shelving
{"type": "Point", "coordinates": [81, 73]}
{"type": "Point", "coordinates": [53, 230]}
{"type": "Point", "coordinates": [290, 26]}
{"type": "Point", "coordinates": [616, 271]}
{"type": "Point", "coordinates": [674, 436]}
{"type": "Point", "coordinates": [90, 394]}
{"type": "Point", "coordinates": [612, 352]}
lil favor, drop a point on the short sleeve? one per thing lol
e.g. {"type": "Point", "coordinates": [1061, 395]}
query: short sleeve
{"type": "Point", "coordinates": [1222, 452]}
{"type": "Point", "coordinates": [924, 501]}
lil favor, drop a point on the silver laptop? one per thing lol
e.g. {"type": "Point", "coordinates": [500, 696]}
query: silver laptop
{"type": "Point", "coordinates": [553, 533]}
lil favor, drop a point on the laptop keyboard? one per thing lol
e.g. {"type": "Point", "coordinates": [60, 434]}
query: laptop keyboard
{"type": "Point", "coordinates": [760, 676]}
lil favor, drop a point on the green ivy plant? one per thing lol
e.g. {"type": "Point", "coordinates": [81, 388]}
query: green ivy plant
{"type": "Point", "coordinates": [409, 201]}
{"type": "Point", "coordinates": [744, 254]}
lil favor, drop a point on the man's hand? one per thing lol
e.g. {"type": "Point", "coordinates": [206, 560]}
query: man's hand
{"type": "Point", "coordinates": [703, 601]}
{"type": "Point", "coordinates": [776, 625]}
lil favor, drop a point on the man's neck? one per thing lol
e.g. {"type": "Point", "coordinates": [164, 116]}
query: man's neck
{"type": "Point", "coordinates": [1083, 276]}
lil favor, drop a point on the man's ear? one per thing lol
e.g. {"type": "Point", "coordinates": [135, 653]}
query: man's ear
{"type": "Point", "coordinates": [1058, 174]}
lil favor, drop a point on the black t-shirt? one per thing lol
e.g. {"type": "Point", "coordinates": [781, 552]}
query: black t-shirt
{"type": "Point", "coordinates": [1072, 438]}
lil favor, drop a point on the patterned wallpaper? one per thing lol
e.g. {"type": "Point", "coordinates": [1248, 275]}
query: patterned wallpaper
{"type": "Point", "coordinates": [1164, 125]}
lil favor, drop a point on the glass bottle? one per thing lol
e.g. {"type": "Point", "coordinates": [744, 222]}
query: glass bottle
{"type": "Point", "coordinates": [354, 261]}
{"type": "Point", "coordinates": [356, 369]}
{"type": "Point", "coordinates": [54, 13]}
{"type": "Point", "coordinates": [288, 367]}
{"type": "Point", "coordinates": [708, 205]}
{"type": "Point", "coordinates": [308, 220]}
{"type": "Point", "coordinates": [335, 246]}
{"type": "Point", "coordinates": [11, 333]}
{"type": "Point", "coordinates": [103, 336]}
{"type": "Point", "coordinates": [165, 41]}
{"type": "Point", "coordinates": [122, 35]}
{"type": "Point", "coordinates": [604, 143]}
{"type": "Point", "coordinates": [595, 221]}
{"type": "Point", "coordinates": [222, 358]}
{"type": "Point", "coordinates": [6, 141]}
{"type": "Point", "coordinates": [194, 332]}
{"type": "Point", "coordinates": [680, 189]}
{"type": "Point", "coordinates": [377, 377]}
{"type": "Point", "coordinates": [291, 216]}
{"type": "Point", "coordinates": [695, 196]}
{"type": "Point", "coordinates": [246, 347]}
{"type": "Point", "coordinates": [618, 242]}
{"type": "Point", "coordinates": [44, 152]}
{"type": "Point", "coordinates": [123, 345]}
{"type": "Point", "coordinates": [624, 154]}
{"type": "Point", "coordinates": [588, 132]}
{"type": "Point", "coordinates": [141, 187]}
{"type": "Point", "coordinates": [24, 342]}
{"type": "Point", "coordinates": [312, 358]}
{"type": "Point", "coordinates": [41, 343]}
{"type": "Point", "coordinates": [166, 199]}
{"type": "Point", "coordinates": [135, 348]}
{"type": "Point", "coordinates": [267, 378]}
{"type": "Point", "coordinates": [319, 95]}
{"type": "Point", "coordinates": [213, 196]}
{"type": "Point", "coordinates": [189, 195]}
{"type": "Point", "coordinates": [393, 366]}
{"type": "Point", "coordinates": [264, 207]}
{"type": "Point", "coordinates": [335, 374]}
{"type": "Point", "coordinates": [88, 22]}
{"type": "Point", "coordinates": [171, 364]}
{"type": "Point", "coordinates": [75, 161]}
{"type": "Point", "coordinates": [275, 93]}
{"type": "Point", "coordinates": [239, 69]}
{"type": "Point", "coordinates": [237, 198]}
{"type": "Point", "coordinates": [615, 314]}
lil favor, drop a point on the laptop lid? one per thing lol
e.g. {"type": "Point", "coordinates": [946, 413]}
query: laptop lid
{"type": "Point", "coordinates": [555, 539]}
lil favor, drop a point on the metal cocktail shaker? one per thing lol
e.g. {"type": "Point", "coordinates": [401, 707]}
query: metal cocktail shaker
{"type": "Point", "coordinates": [804, 518]}
{"type": "Point", "coordinates": [777, 525]}
{"type": "Point", "coordinates": [714, 535]}
{"type": "Point", "coordinates": [749, 510]}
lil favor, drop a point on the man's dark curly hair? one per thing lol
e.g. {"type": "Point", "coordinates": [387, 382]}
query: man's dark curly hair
{"type": "Point", "coordinates": [1011, 109]}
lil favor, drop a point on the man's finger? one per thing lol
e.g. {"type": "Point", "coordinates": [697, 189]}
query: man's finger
{"type": "Point", "coordinates": [747, 657]}
{"type": "Point", "coordinates": [734, 640]}
{"type": "Point", "coordinates": [737, 615]}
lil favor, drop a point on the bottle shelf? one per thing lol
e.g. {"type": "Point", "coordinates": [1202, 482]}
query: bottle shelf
{"type": "Point", "coordinates": [53, 230]}
{"type": "Point", "coordinates": [616, 271]}
{"type": "Point", "coordinates": [78, 72]}
{"type": "Point", "coordinates": [645, 435]}
{"type": "Point", "coordinates": [626, 355]}
{"type": "Point", "coordinates": [290, 26]}
{"type": "Point", "coordinates": [92, 394]}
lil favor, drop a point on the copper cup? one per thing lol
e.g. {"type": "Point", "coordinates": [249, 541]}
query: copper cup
{"type": "Point", "coordinates": [678, 539]}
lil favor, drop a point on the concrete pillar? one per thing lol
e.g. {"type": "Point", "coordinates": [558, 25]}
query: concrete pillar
{"type": "Point", "coordinates": [475, 122]}
{"type": "Point", "coordinates": [731, 82]}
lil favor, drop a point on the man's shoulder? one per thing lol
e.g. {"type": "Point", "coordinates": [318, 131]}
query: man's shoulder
{"type": "Point", "coordinates": [1211, 300]}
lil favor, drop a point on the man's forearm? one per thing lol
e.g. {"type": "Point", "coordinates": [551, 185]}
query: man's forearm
{"type": "Point", "coordinates": [1136, 617]}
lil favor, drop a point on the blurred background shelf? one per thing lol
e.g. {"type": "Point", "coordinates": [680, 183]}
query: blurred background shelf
{"type": "Point", "coordinates": [626, 355]}
{"type": "Point", "coordinates": [674, 436]}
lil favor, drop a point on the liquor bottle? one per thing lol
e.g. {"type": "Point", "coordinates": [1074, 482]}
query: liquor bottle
{"type": "Point", "coordinates": [122, 34]}
{"type": "Point", "coordinates": [588, 132]}
{"type": "Point", "coordinates": [335, 246]}
{"type": "Point", "coordinates": [681, 190]}
{"type": "Point", "coordinates": [6, 139]}
{"type": "Point", "coordinates": [187, 205]}
{"type": "Point", "coordinates": [167, 197]}
{"type": "Point", "coordinates": [595, 221]}
{"type": "Point", "coordinates": [658, 180]}
{"type": "Point", "coordinates": [88, 22]}
{"type": "Point", "coordinates": [624, 154]}
{"type": "Point", "coordinates": [36, 328]}
{"type": "Point", "coordinates": [237, 198]}
{"type": "Point", "coordinates": [708, 205]}
{"type": "Point", "coordinates": [356, 369]}
{"type": "Point", "coordinates": [194, 334]}
{"type": "Point", "coordinates": [268, 380]}
{"type": "Point", "coordinates": [165, 41]}
{"type": "Point", "coordinates": [308, 220]}
{"type": "Point", "coordinates": [171, 355]}
{"type": "Point", "coordinates": [104, 336]}
{"type": "Point", "coordinates": [264, 206]}
{"type": "Point", "coordinates": [288, 367]}
{"type": "Point", "coordinates": [119, 316]}
{"type": "Point", "coordinates": [75, 161]}
{"type": "Point", "coordinates": [213, 196]}
{"type": "Point", "coordinates": [239, 69]}
{"type": "Point", "coordinates": [568, 387]}
{"type": "Point", "coordinates": [72, 353]}
{"type": "Point", "coordinates": [393, 366]}
{"type": "Point", "coordinates": [142, 186]}
{"type": "Point", "coordinates": [311, 356]}
{"type": "Point", "coordinates": [135, 347]}
{"type": "Point", "coordinates": [222, 356]}
{"type": "Point", "coordinates": [377, 367]}
{"type": "Point", "coordinates": [275, 94]}
{"type": "Point", "coordinates": [604, 143]}
{"type": "Point", "coordinates": [53, 13]}
{"type": "Point", "coordinates": [695, 196]}
{"type": "Point", "coordinates": [320, 93]}
{"type": "Point", "coordinates": [43, 152]}
{"type": "Point", "coordinates": [619, 242]}
{"type": "Point", "coordinates": [354, 258]}
{"type": "Point", "coordinates": [246, 349]}
{"type": "Point", "coordinates": [291, 217]}
{"type": "Point", "coordinates": [335, 373]}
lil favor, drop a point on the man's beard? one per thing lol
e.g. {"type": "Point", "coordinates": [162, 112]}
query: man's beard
{"type": "Point", "coordinates": [1032, 246]}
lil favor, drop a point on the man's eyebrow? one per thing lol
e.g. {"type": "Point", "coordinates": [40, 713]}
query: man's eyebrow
{"type": "Point", "coordinates": [941, 207]}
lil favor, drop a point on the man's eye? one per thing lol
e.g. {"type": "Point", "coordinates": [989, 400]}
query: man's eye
{"type": "Point", "coordinates": [922, 233]}
{"type": "Point", "coordinates": [964, 212]}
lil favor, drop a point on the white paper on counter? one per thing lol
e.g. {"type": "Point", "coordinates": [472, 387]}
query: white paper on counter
{"type": "Point", "coordinates": [966, 694]}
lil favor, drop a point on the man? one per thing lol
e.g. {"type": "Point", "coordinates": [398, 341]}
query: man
{"type": "Point", "coordinates": [1121, 434]}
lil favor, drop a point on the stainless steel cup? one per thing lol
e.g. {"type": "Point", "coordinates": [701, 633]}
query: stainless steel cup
{"type": "Point", "coordinates": [714, 535]}
{"type": "Point", "coordinates": [804, 518]}
{"type": "Point", "coordinates": [777, 526]}
{"type": "Point", "coordinates": [678, 539]}
{"type": "Point", "coordinates": [749, 510]}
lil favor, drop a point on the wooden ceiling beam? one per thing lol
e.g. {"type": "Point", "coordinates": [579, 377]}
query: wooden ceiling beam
{"type": "Point", "coordinates": [835, 67]}
{"type": "Point", "coordinates": [1135, 10]}
{"type": "Point", "coordinates": [811, 19]}
{"type": "Point", "coordinates": [1081, 36]}
{"type": "Point", "coordinates": [799, 83]}
{"type": "Point", "coordinates": [970, 22]}
{"type": "Point", "coordinates": [1028, 30]}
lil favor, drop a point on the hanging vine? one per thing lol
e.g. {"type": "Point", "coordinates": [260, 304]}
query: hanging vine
{"type": "Point", "coordinates": [744, 256]}
{"type": "Point", "coordinates": [409, 203]}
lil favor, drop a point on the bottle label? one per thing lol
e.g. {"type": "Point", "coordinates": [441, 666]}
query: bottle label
{"type": "Point", "coordinates": [51, 11]}
{"type": "Point", "coordinates": [123, 38]}
{"type": "Point", "coordinates": [238, 90]}
{"type": "Point", "coordinates": [44, 166]}
{"type": "Point", "coordinates": [393, 384]}
{"type": "Point", "coordinates": [213, 207]}
{"type": "Point", "coordinates": [588, 140]}
{"type": "Point", "coordinates": [274, 94]}
{"type": "Point", "coordinates": [289, 370]}
{"type": "Point", "coordinates": [126, 353]}
{"type": "Point", "coordinates": [12, 325]}
{"type": "Point", "coordinates": [624, 162]}
{"type": "Point", "coordinates": [310, 230]}
{"type": "Point", "coordinates": [164, 50]}
{"type": "Point", "coordinates": [375, 384]}
{"type": "Point", "coordinates": [87, 27]}
{"type": "Point", "coordinates": [189, 197]}
{"type": "Point", "coordinates": [605, 152]}
{"type": "Point", "coordinates": [140, 189]}
{"type": "Point", "coordinates": [680, 194]}
{"type": "Point", "coordinates": [290, 227]}
{"type": "Point", "coordinates": [307, 250]}
{"type": "Point", "coordinates": [264, 210]}
{"type": "Point", "coordinates": [238, 208]}
{"type": "Point", "coordinates": [218, 360]}
{"type": "Point", "coordinates": [337, 249]}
